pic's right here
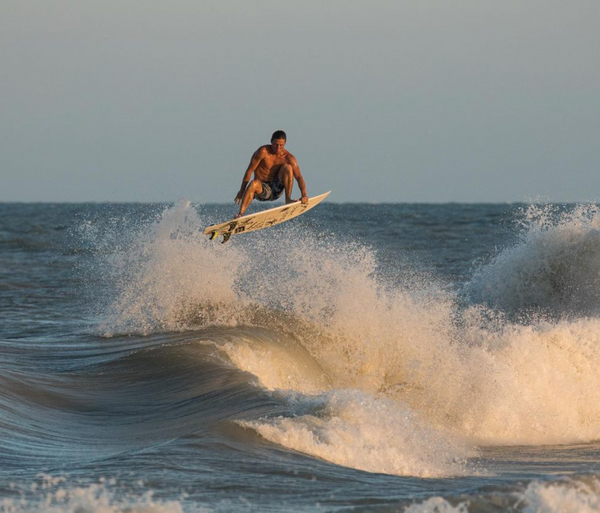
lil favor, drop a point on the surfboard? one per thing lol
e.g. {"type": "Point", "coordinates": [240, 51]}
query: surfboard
{"type": "Point", "coordinates": [263, 219]}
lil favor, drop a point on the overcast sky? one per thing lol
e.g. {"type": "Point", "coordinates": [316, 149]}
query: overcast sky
{"type": "Point", "coordinates": [382, 100]}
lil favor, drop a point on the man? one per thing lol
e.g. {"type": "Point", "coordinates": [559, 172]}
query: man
{"type": "Point", "coordinates": [274, 171]}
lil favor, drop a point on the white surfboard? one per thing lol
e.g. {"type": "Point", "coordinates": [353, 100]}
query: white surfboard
{"type": "Point", "coordinates": [263, 219]}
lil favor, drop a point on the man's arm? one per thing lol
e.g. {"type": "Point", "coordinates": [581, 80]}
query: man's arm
{"type": "Point", "coordinates": [254, 162]}
{"type": "Point", "coordinates": [300, 179]}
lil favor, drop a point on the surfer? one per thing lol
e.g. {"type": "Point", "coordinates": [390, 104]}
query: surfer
{"type": "Point", "coordinates": [274, 171]}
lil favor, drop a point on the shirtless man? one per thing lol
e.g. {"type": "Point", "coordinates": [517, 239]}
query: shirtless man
{"type": "Point", "coordinates": [274, 171]}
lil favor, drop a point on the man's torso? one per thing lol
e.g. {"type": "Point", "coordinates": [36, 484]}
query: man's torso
{"type": "Point", "coordinates": [268, 168]}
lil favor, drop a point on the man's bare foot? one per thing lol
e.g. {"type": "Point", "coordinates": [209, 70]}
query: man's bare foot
{"type": "Point", "coordinates": [237, 215]}
{"type": "Point", "coordinates": [291, 201]}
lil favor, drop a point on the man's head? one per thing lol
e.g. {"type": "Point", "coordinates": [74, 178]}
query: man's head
{"type": "Point", "coordinates": [278, 141]}
{"type": "Point", "coordinates": [280, 134]}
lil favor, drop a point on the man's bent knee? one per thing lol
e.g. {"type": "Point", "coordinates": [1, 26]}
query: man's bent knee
{"type": "Point", "coordinates": [255, 186]}
{"type": "Point", "coordinates": [285, 170]}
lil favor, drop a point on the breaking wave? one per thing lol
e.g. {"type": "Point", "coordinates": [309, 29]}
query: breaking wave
{"type": "Point", "coordinates": [406, 375]}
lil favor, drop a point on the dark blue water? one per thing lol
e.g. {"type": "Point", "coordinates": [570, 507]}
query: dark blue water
{"type": "Point", "coordinates": [362, 357]}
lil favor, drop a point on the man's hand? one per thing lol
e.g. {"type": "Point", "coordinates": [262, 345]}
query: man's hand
{"type": "Point", "coordinates": [239, 197]}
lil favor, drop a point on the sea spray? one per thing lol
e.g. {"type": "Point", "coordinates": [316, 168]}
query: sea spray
{"type": "Point", "coordinates": [554, 268]}
{"type": "Point", "coordinates": [165, 271]}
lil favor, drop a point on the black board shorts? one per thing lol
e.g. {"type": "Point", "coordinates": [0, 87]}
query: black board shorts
{"type": "Point", "coordinates": [271, 190]}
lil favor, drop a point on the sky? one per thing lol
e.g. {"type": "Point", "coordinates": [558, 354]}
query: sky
{"type": "Point", "coordinates": [382, 100]}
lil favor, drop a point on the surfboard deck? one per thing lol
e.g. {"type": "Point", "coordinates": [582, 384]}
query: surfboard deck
{"type": "Point", "coordinates": [263, 219]}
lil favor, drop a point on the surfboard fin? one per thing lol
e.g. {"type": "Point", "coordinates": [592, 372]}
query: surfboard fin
{"type": "Point", "coordinates": [212, 235]}
{"type": "Point", "coordinates": [226, 237]}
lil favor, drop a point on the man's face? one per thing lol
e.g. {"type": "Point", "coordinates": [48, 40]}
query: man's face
{"type": "Point", "coordinates": [278, 146]}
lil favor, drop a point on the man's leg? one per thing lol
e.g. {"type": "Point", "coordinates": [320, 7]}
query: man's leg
{"type": "Point", "coordinates": [254, 187]}
{"type": "Point", "coordinates": [286, 177]}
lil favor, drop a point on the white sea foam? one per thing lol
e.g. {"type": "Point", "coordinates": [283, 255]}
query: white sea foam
{"type": "Point", "coordinates": [575, 496]}
{"type": "Point", "coordinates": [362, 431]}
{"type": "Point", "coordinates": [566, 496]}
{"type": "Point", "coordinates": [409, 350]}
{"type": "Point", "coordinates": [57, 495]}
{"type": "Point", "coordinates": [437, 505]}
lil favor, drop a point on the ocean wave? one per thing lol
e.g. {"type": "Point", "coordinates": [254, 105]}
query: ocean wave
{"type": "Point", "coordinates": [331, 322]}
{"type": "Point", "coordinates": [130, 400]}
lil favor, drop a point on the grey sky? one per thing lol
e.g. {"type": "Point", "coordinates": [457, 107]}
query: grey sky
{"type": "Point", "coordinates": [395, 101]}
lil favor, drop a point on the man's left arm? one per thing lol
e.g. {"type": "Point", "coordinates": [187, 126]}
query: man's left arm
{"type": "Point", "coordinates": [300, 179]}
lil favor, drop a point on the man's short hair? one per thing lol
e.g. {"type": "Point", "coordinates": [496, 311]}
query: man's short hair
{"type": "Point", "coordinates": [280, 134]}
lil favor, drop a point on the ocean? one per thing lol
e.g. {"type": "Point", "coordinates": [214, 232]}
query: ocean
{"type": "Point", "coordinates": [363, 357]}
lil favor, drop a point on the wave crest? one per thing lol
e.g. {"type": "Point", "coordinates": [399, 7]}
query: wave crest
{"type": "Point", "coordinates": [553, 269]}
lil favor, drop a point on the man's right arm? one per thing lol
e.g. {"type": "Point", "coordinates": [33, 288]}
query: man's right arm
{"type": "Point", "coordinates": [254, 162]}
